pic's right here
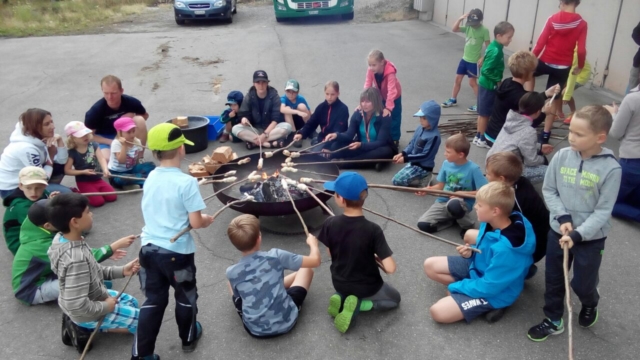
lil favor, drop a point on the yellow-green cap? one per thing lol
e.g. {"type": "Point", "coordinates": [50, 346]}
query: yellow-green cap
{"type": "Point", "coordinates": [166, 136]}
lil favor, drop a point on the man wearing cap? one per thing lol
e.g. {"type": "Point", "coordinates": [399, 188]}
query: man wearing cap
{"type": "Point", "coordinates": [294, 108]}
{"type": "Point", "coordinates": [229, 116]}
{"type": "Point", "coordinates": [420, 154]}
{"type": "Point", "coordinates": [261, 111]}
{"type": "Point", "coordinates": [114, 105]}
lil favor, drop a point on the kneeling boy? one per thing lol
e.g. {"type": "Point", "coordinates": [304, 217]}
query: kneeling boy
{"type": "Point", "coordinates": [493, 279]}
{"type": "Point", "coordinates": [267, 301]}
{"type": "Point", "coordinates": [357, 247]}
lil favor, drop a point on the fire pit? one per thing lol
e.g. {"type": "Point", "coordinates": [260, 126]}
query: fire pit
{"type": "Point", "coordinates": [270, 198]}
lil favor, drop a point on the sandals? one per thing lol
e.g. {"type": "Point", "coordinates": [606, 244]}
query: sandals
{"type": "Point", "coordinates": [250, 146]}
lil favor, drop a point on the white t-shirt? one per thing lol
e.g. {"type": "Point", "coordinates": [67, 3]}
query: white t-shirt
{"type": "Point", "coordinates": [132, 156]}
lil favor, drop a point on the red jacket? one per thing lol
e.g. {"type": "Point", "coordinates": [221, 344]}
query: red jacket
{"type": "Point", "coordinates": [390, 87]}
{"type": "Point", "coordinates": [559, 37]}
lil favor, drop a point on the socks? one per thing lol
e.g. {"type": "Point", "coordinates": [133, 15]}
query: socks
{"type": "Point", "coordinates": [545, 137]}
{"type": "Point", "coordinates": [556, 323]}
{"type": "Point", "coordinates": [366, 305]}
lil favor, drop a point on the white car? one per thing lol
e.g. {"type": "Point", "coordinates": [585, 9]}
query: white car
{"type": "Point", "coordinates": [204, 10]}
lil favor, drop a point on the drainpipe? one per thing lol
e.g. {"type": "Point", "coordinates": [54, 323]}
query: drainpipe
{"type": "Point", "coordinates": [533, 31]}
{"type": "Point", "coordinates": [605, 74]}
{"type": "Point", "coordinates": [506, 18]}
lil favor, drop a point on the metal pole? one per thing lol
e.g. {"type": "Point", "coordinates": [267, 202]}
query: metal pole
{"type": "Point", "coordinates": [508, 7]}
{"type": "Point", "coordinates": [605, 74]}
{"type": "Point", "coordinates": [533, 30]}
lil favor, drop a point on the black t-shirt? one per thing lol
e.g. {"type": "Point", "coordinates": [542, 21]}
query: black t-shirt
{"type": "Point", "coordinates": [353, 241]}
{"type": "Point", "coordinates": [86, 161]}
{"type": "Point", "coordinates": [101, 117]}
{"type": "Point", "coordinates": [515, 232]}
{"type": "Point", "coordinates": [261, 102]}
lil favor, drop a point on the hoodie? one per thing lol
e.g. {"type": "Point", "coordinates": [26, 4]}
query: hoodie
{"type": "Point", "coordinates": [31, 266]}
{"type": "Point", "coordinates": [508, 97]}
{"type": "Point", "coordinates": [626, 126]}
{"type": "Point", "coordinates": [25, 150]}
{"type": "Point", "coordinates": [497, 274]}
{"type": "Point", "coordinates": [559, 37]}
{"type": "Point", "coordinates": [332, 118]}
{"type": "Point", "coordinates": [82, 291]}
{"type": "Point", "coordinates": [532, 207]}
{"type": "Point", "coordinates": [518, 136]}
{"type": "Point", "coordinates": [389, 86]}
{"type": "Point", "coordinates": [379, 132]}
{"type": "Point", "coordinates": [582, 192]}
{"type": "Point", "coordinates": [17, 206]}
{"type": "Point", "coordinates": [250, 108]}
{"type": "Point", "coordinates": [424, 146]}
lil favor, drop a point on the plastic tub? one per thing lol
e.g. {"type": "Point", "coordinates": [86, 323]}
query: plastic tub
{"type": "Point", "coordinates": [196, 132]}
{"type": "Point", "coordinates": [215, 127]}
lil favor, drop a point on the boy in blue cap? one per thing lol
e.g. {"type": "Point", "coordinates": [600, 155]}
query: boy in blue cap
{"type": "Point", "coordinates": [357, 247]}
{"type": "Point", "coordinates": [229, 116]}
{"type": "Point", "coordinates": [421, 152]}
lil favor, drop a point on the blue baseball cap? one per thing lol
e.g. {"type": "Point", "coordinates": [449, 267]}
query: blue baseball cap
{"type": "Point", "coordinates": [429, 109]}
{"type": "Point", "coordinates": [235, 97]}
{"type": "Point", "coordinates": [349, 185]}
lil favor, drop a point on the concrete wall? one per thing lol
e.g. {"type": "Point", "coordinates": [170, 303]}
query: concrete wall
{"type": "Point", "coordinates": [530, 16]}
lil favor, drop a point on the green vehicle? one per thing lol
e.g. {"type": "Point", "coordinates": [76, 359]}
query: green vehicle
{"type": "Point", "coordinates": [290, 9]}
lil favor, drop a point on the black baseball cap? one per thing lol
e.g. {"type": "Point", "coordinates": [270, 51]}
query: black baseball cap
{"type": "Point", "coordinates": [235, 97]}
{"type": "Point", "coordinates": [475, 17]}
{"type": "Point", "coordinates": [260, 75]}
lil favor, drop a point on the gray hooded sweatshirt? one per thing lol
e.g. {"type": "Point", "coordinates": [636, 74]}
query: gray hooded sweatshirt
{"type": "Point", "coordinates": [582, 192]}
{"type": "Point", "coordinates": [518, 136]}
{"type": "Point", "coordinates": [626, 126]}
{"type": "Point", "coordinates": [82, 291]}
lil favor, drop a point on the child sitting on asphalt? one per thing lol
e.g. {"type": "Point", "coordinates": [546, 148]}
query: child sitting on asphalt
{"type": "Point", "coordinates": [33, 281]}
{"type": "Point", "coordinates": [421, 152]}
{"type": "Point", "coordinates": [506, 167]}
{"type": "Point", "coordinates": [126, 156]}
{"type": "Point", "coordinates": [381, 74]}
{"type": "Point", "coordinates": [84, 159]}
{"type": "Point", "coordinates": [580, 188]}
{"type": "Point", "coordinates": [273, 309]}
{"type": "Point", "coordinates": [32, 184]}
{"type": "Point", "coordinates": [229, 116]}
{"type": "Point", "coordinates": [517, 135]}
{"type": "Point", "coordinates": [481, 283]}
{"type": "Point", "coordinates": [332, 115]}
{"type": "Point", "coordinates": [294, 107]}
{"type": "Point", "coordinates": [357, 247]}
{"type": "Point", "coordinates": [459, 175]}
{"type": "Point", "coordinates": [84, 299]}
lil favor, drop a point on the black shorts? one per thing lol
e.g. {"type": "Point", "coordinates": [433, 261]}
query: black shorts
{"type": "Point", "coordinates": [556, 76]}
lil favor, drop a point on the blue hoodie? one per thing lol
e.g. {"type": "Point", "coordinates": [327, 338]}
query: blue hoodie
{"type": "Point", "coordinates": [424, 146]}
{"type": "Point", "coordinates": [497, 274]}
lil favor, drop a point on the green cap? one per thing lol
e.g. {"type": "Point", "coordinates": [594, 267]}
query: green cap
{"type": "Point", "coordinates": [165, 137]}
{"type": "Point", "coordinates": [292, 85]}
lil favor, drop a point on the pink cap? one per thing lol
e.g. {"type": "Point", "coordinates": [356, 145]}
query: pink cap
{"type": "Point", "coordinates": [76, 129]}
{"type": "Point", "coordinates": [124, 124]}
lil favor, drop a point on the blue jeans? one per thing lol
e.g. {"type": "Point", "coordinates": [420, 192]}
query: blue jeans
{"type": "Point", "coordinates": [628, 204]}
{"type": "Point", "coordinates": [396, 119]}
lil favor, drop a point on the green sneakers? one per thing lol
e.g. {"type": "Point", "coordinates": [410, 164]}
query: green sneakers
{"type": "Point", "coordinates": [344, 318]}
{"type": "Point", "coordinates": [335, 302]}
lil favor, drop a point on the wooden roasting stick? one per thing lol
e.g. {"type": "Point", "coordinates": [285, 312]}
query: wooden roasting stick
{"type": "Point", "coordinates": [269, 154]}
{"type": "Point", "coordinates": [340, 162]}
{"type": "Point", "coordinates": [122, 176]}
{"type": "Point", "coordinates": [567, 297]}
{"type": "Point", "coordinates": [113, 192]}
{"type": "Point", "coordinates": [402, 188]}
{"type": "Point", "coordinates": [311, 147]}
{"type": "Point", "coordinates": [285, 185]}
{"type": "Point", "coordinates": [411, 227]}
{"type": "Point", "coordinates": [225, 188]}
{"type": "Point", "coordinates": [326, 152]}
{"type": "Point", "coordinates": [189, 228]}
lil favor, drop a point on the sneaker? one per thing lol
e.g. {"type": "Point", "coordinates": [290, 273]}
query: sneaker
{"type": "Point", "coordinates": [148, 357]}
{"type": "Point", "coordinates": [482, 144]}
{"type": "Point", "coordinates": [378, 167]}
{"type": "Point", "coordinates": [533, 270]}
{"type": "Point", "coordinates": [65, 334]}
{"type": "Point", "coordinates": [79, 336]}
{"type": "Point", "coordinates": [297, 144]}
{"type": "Point", "coordinates": [345, 317]}
{"type": "Point", "coordinates": [131, 187]}
{"type": "Point", "coordinates": [335, 303]}
{"type": "Point", "coordinates": [567, 120]}
{"type": "Point", "coordinates": [588, 316]}
{"type": "Point", "coordinates": [495, 315]}
{"type": "Point", "coordinates": [190, 347]}
{"type": "Point", "coordinates": [473, 108]}
{"type": "Point", "coordinates": [475, 140]}
{"type": "Point", "coordinates": [542, 331]}
{"type": "Point", "coordinates": [449, 103]}
{"type": "Point", "coordinates": [224, 138]}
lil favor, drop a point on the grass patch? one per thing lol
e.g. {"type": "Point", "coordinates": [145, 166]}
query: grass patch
{"type": "Point", "coordinates": [53, 17]}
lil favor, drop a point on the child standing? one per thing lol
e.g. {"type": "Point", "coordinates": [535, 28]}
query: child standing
{"type": "Point", "coordinates": [357, 247]}
{"type": "Point", "coordinates": [229, 116]}
{"type": "Point", "coordinates": [580, 189]}
{"type": "Point", "coordinates": [274, 309]}
{"type": "Point", "coordinates": [294, 107]}
{"type": "Point", "coordinates": [32, 185]}
{"type": "Point", "coordinates": [480, 283]}
{"type": "Point", "coordinates": [381, 74]}
{"type": "Point", "coordinates": [476, 35]}
{"type": "Point", "coordinates": [457, 174]}
{"type": "Point", "coordinates": [84, 299]}
{"type": "Point", "coordinates": [517, 135]}
{"type": "Point", "coordinates": [332, 115]}
{"type": "Point", "coordinates": [574, 82]}
{"type": "Point", "coordinates": [421, 152]}
{"type": "Point", "coordinates": [126, 155]}
{"type": "Point", "coordinates": [490, 77]}
{"type": "Point", "coordinates": [84, 158]}
{"type": "Point", "coordinates": [562, 34]}
{"type": "Point", "coordinates": [171, 201]}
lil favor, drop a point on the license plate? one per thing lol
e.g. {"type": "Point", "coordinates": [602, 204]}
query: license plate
{"type": "Point", "coordinates": [313, 12]}
{"type": "Point", "coordinates": [199, 12]}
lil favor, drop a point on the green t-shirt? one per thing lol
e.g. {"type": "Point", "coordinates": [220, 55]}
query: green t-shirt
{"type": "Point", "coordinates": [475, 37]}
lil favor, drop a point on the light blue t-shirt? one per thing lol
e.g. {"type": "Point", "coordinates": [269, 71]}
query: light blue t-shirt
{"type": "Point", "coordinates": [467, 177]}
{"type": "Point", "coordinates": [299, 100]}
{"type": "Point", "coordinates": [258, 279]}
{"type": "Point", "coordinates": [169, 196]}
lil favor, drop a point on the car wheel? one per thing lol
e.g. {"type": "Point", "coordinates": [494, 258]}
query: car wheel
{"type": "Point", "coordinates": [348, 16]}
{"type": "Point", "coordinates": [179, 21]}
{"type": "Point", "coordinates": [229, 20]}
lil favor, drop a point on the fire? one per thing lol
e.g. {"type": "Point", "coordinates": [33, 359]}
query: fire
{"type": "Point", "coordinates": [265, 176]}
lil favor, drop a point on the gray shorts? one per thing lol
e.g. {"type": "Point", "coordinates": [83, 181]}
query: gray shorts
{"type": "Point", "coordinates": [236, 129]}
{"type": "Point", "coordinates": [438, 216]}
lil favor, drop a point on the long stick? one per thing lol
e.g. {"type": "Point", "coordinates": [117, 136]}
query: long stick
{"type": "Point", "coordinates": [324, 206]}
{"type": "Point", "coordinates": [316, 173]}
{"type": "Point", "coordinates": [412, 228]}
{"type": "Point", "coordinates": [285, 185]}
{"type": "Point", "coordinates": [224, 188]}
{"type": "Point", "coordinates": [122, 176]}
{"type": "Point", "coordinates": [567, 289]}
{"type": "Point", "coordinates": [259, 142]}
{"type": "Point", "coordinates": [185, 159]}
{"type": "Point", "coordinates": [344, 162]}
{"type": "Point", "coordinates": [312, 146]}
{"type": "Point", "coordinates": [410, 189]}
{"type": "Point", "coordinates": [282, 149]}
{"type": "Point", "coordinates": [113, 192]}
{"type": "Point", "coordinates": [97, 329]}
